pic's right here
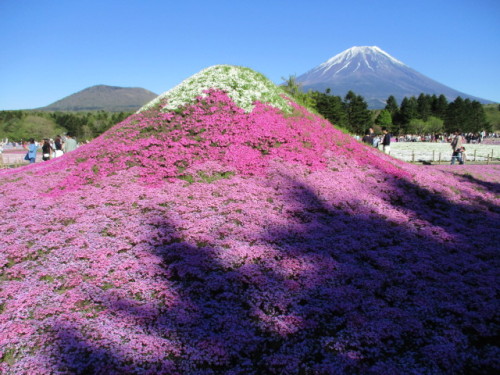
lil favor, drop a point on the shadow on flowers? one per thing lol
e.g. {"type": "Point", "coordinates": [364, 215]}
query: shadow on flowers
{"type": "Point", "coordinates": [329, 292]}
{"type": "Point", "coordinates": [479, 185]}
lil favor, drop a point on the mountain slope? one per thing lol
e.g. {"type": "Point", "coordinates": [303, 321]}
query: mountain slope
{"type": "Point", "coordinates": [203, 236]}
{"type": "Point", "coordinates": [374, 74]}
{"type": "Point", "coordinates": [102, 97]}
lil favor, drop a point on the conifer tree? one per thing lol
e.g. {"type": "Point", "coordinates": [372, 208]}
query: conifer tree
{"type": "Point", "coordinates": [407, 111]}
{"type": "Point", "coordinates": [357, 114]}
{"type": "Point", "coordinates": [455, 113]}
{"type": "Point", "coordinates": [330, 107]}
{"type": "Point", "coordinates": [392, 105]}
{"type": "Point", "coordinates": [424, 106]}
{"type": "Point", "coordinates": [478, 120]}
{"type": "Point", "coordinates": [439, 106]}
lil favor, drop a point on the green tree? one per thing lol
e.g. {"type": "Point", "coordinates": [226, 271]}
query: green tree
{"type": "Point", "coordinates": [384, 119]}
{"type": "Point", "coordinates": [415, 126]}
{"type": "Point", "coordinates": [330, 107]}
{"type": "Point", "coordinates": [407, 111]}
{"type": "Point", "coordinates": [293, 88]}
{"type": "Point", "coordinates": [357, 114]}
{"type": "Point", "coordinates": [31, 126]}
{"type": "Point", "coordinates": [434, 125]}
{"type": "Point", "coordinates": [439, 106]}
{"type": "Point", "coordinates": [455, 114]}
{"type": "Point", "coordinates": [392, 106]}
{"type": "Point", "coordinates": [477, 121]}
{"type": "Point", "coordinates": [17, 125]}
{"type": "Point", "coordinates": [291, 85]}
{"type": "Point", "coordinates": [72, 122]}
{"type": "Point", "coordinates": [492, 112]}
{"type": "Point", "coordinates": [424, 106]}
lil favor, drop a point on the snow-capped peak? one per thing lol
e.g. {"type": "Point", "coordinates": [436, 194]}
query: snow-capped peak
{"type": "Point", "coordinates": [373, 73]}
{"type": "Point", "coordinates": [358, 51]}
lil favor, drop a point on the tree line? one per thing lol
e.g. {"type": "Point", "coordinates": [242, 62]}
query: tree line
{"type": "Point", "coordinates": [22, 125]}
{"type": "Point", "coordinates": [425, 114]}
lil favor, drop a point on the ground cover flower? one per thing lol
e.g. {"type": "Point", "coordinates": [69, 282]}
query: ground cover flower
{"type": "Point", "coordinates": [243, 85]}
{"type": "Point", "coordinates": [435, 152]}
{"type": "Point", "coordinates": [213, 240]}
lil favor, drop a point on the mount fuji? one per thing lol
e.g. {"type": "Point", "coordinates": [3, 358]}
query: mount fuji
{"type": "Point", "coordinates": [374, 74]}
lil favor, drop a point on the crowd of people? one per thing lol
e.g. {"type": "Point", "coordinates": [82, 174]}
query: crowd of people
{"type": "Point", "coordinates": [51, 148]}
{"type": "Point", "coordinates": [456, 140]}
{"type": "Point", "coordinates": [374, 140]}
{"type": "Point", "coordinates": [445, 138]}
{"type": "Point", "coordinates": [438, 137]}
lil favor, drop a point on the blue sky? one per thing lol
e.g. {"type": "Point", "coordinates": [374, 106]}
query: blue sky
{"type": "Point", "coordinates": [53, 48]}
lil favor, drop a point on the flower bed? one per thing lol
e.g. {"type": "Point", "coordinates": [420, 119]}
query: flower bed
{"type": "Point", "coordinates": [211, 240]}
{"type": "Point", "coordinates": [432, 151]}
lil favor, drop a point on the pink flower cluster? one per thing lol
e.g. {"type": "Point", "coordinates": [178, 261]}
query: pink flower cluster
{"type": "Point", "coordinates": [211, 241]}
{"type": "Point", "coordinates": [163, 145]}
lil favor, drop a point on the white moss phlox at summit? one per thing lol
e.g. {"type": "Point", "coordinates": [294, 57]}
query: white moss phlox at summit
{"type": "Point", "coordinates": [243, 85]}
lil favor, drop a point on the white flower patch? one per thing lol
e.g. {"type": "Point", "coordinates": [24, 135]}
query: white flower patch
{"type": "Point", "coordinates": [436, 151]}
{"type": "Point", "coordinates": [243, 85]}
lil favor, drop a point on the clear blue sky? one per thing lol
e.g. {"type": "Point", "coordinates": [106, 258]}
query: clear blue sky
{"type": "Point", "coordinates": [50, 49]}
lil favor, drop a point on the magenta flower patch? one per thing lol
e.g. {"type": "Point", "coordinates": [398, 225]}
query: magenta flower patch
{"type": "Point", "coordinates": [211, 240]}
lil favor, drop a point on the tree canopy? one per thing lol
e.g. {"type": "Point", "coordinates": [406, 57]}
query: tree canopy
{"type": "Point", "coordinates": [22, 125]}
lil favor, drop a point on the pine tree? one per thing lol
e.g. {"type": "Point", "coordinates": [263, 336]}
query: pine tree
{"type": "Point", "coordinates": [455, 114]}
{"type": "Point", "coordinates": [407, 111]}
{"type": "Point", "coordinates": [392, 105]}
{"type": "Point", "coordinates": [424, 106]}
{"type": "Point", "coordinates": [478, 120]}
{"type": "Point", "coordinates": [357, 114]}
{"type": "Point", "coordinates": [439, 106]}
{"type": "Point", "coordinates": [330, 107]}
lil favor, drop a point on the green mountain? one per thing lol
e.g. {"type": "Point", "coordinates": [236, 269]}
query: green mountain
{"type": "Point", "coordinates": [102, 97]}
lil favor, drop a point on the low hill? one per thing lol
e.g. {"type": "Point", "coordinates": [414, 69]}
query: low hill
{"type": "Point", "coordinates": [224, 229]}
{"type": "Point", "coordinates": [105, 98]}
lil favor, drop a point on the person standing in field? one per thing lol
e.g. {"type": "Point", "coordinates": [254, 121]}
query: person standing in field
{"type": "Point", "coordinates": [456, 146]}
{"type": "Point", "coordinates": [367, 138]}
{"type": "Point", "coordinates": [70, 143]}
{"type": "Point", "coordinates": [32, 149]}
{"type": "Point", "coordinates": [375, 140]}
{"type": "Point", "coordinates": [58, 146]}
{"type": "Point", "coordinates": [46, 150]}
{"type": "Point", "coordinates": [386, 141]}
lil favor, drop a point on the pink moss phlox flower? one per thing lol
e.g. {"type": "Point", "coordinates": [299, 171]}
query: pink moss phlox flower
{"type": "Point", "coordinates": [214, 240]}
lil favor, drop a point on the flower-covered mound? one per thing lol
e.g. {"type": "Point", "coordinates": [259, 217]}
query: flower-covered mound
{"type": "Point", "coordinates": [211, 240]}
{"type": "Point", "coordinates": [243, 85]}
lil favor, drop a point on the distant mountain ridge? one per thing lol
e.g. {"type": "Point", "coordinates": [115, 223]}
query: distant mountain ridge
{"type": "Point", "coordinates": [375, 75]}
{"type": "Point", "coordinates": [106, 98]}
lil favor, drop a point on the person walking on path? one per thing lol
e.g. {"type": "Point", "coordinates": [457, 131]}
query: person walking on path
{"type": "Point", "coordinates": [386, 141]}
{"type": "Point", "coordinates": [375, 139]}
{"type": "Point", "coordinates": [58, 146]}
{"type": "Point", "coordinates": [70, 143]}
{"type": "Point", "coordinates": [32, 149]}
{"type": "Point", "coordinates": [367, 138]}
{"type": "Point", "coordinates": [456, 146]}
{"type": "Point", "coordinates": [46, 150]}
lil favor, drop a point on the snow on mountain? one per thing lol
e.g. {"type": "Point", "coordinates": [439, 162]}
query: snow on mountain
{"type": "Point", "coordinates": [374, 74]}
{"type": "Point", "coordinates": [372, 57]}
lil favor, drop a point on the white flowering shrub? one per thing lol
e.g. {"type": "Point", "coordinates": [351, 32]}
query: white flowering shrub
{"type": "Point", "coordinates": [243, 85]}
